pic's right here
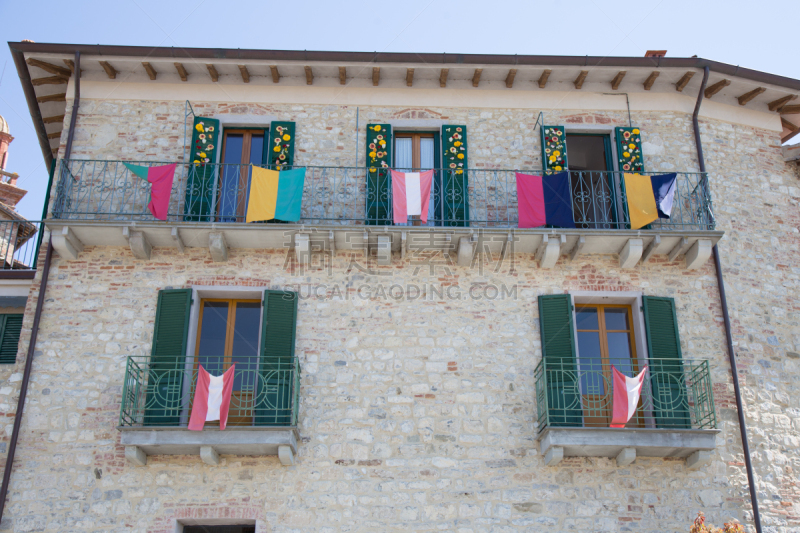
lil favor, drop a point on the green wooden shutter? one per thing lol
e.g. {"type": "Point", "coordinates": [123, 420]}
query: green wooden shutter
{"type": "Point", "coordinates": [283, 157]}
{"type": "Point", "coordinates": [670, 398]}
{"type": "Point", "coordinates": [629, 150]}
{"type": "Point", "coordinates": [379, 179]}
{"type": "Point", "coordinates": [206, 141]}
{"type": "Point", "coordinates": [554, 149]}
{"type": "Point", "coordinates": [558, 351]}
{"type": "Point", "coordinates": [164, 392]}
{"type": "Point", "coordinates": [10, 329]}
{"type": "Point", "coordinates": [277, 377]}
{"type": "Point", "coordinates": [456, 183]}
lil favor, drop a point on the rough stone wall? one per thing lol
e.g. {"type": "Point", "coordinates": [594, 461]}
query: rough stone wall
{"type": "Point", "coordinates": [418, 415]}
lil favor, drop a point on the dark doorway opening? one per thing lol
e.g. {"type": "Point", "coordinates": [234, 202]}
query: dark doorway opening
{"type": "Point", "coordinates": [592, 180]}
{"type": "Point", "coordinates": [219, 529]}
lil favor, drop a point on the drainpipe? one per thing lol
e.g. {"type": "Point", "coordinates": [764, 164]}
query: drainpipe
{"type": "Point", "coordinates": [26, 375]}
{"type": "Point", "coordinates": [726, 318]}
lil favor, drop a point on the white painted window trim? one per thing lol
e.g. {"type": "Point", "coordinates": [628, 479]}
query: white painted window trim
{"type": "Point", "coordinates": [632, 298]}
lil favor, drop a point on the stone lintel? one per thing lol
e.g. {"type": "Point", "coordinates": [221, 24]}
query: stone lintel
{"type": "Point", "coordinates": [218, 247]}
{"type": "Point", "coordinates": [137, 240]}
{"type": "Point", "coordinates": [66, 243]}
{"type": "Point", "coordinates": [626, 456]}
{"type": "Point", "coordinates": [609, 442]}
{"type": "Point", "coordinates": [554, 455]}
{"type": "Point", "coordinates": [466, 249]}
{"type": "Point", "coordinates": [209, 455]}
{"type": "Point", "coordinates": [286, 455]}
{"type": "Point", "coordinates": [631, 253]}
{"type": "Point", "coordinates": [384, 250]}
{"type": "Point", "coordinates": [136, 455]}
{"type": "Point", "coordinates": [698, 254]}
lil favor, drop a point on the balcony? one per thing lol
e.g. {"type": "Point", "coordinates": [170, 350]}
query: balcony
{"type": "Point", "coordinates": [340, 212]}
{"type": "Point", "coordinates": [675, 416]}
{"type": "Point", "coordinates": [157, 397]}
{"type": "Point", "coordinates": [19, 247]}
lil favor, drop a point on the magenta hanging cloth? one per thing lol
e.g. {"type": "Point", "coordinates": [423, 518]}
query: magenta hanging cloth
{"type": "Point", "coordinates": [160, 179]}
{"type": "Point", "coordinates": [530, 198]}
{"type": "Point", "coordinates": [544, 200]}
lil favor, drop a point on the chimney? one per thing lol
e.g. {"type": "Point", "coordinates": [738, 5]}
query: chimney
{"type": "Point", "coordinates": [656, 53]}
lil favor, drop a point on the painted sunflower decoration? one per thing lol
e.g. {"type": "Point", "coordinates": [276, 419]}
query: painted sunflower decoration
{"type": "Point", "coordinates": [280, 149]}
{"type": "Point", "coordinates": [629, 148]}
{"type": "Point", "coordinates": [203, 148]}
{"type": "Point", "coordinates": [378, 153]}
{"type": "Point", "coordinates": [555, 149]}
{"type": "Point", "coordinates": [455, 148]}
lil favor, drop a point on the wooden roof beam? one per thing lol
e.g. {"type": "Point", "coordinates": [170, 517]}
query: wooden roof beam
{"type": "Point", "coordinates": [212, 71]}
{"type": "Point", "coordinates": [54, 135]}
{"type": "Point", "coordinates": [512, 73]}
{"type": "Point", "coordinates": [49, 67]}
{"type": "Point", "coordinates": [776, 105]}
{"type": "Point", "coordinates": [342, 75]}
{"type": "Point", "coordinates": [746, 97]}
{"type": "Point", "coordinates": [476, 78]}
{"type": "Point", "coordinates": [376, 76]}
{"type": "Point", "coordinates": [409, 77]}
{"type": "Point", "coordinates": [543, 78]}
{"type": "Point", "coordinates": [150, 70]}
{"type": "Point", "coordinates": [443, 77]}
{"type": "Point", "coordinates": [110, 71]}
{"type": "Point", "coordinates": [276, 76]}
{"type": "Point", "coordinates": [181, 71]}
{"type": "Point", "coordinates": [50, 80]}
{"type": "Point", "coordinates": [53, 120]}
{"type": "Point", "coordinates": [789, 125]}
{"type": "Point", "coordinates": [684, 81]}
{"type": "Point", "coordinates": [618, 79]}
{"type": "Point", "coordinates": [717, 87]}
{"type": "Point", "coordinates": [651, 79]}
{"type": "Point", "coordinates": [309, 75]}
{"type": "Point", "coordinates": [580, 79]}
{"type": "Point", "coordinates": [790, 109]}
{"type": "Point", "coordinates": [60, 97]}
{"type": "Point", "coordinates": [245, 73]}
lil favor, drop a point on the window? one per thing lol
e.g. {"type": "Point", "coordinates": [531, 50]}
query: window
{"type": "Point", "coordinates": [10, 329]}
{"type": "Point", "coordinates": [240, 149]}
{"type": "Point", "coordinates": [605, 339]}
{"type": "Point", "coordinates": [416, 152]}
{"type": "Point", "coordinates": [580, 343]}
{"type": "Point", "coordinates": [592, 180]}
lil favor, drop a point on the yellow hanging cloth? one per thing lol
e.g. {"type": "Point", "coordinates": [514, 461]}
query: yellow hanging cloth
{"type": "Point", "coordinates": [641, 200]}
{"type": "Point", "coordinates": [263, 194]}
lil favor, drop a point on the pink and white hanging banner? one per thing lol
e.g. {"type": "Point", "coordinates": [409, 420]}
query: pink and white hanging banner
{"type": "Point", "coordinates": [411, 195]}
{"type": "Point", "coordinates": [212, 398]}
{"type": "Point", "coordinates": [626, 396]}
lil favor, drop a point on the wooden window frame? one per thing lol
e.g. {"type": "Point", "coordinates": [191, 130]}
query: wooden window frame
{"type": "Point", "coordinates": [416, 145]}
{"type": "Point", "coordinates": [229, 331]}
{"type": "Point", "coordinates": [244, 169]}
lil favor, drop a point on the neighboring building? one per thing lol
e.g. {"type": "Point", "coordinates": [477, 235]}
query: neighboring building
{"type": "Point", "coordinates": [452, 374]}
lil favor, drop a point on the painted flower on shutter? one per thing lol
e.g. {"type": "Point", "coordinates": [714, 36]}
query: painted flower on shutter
{"type": "Point", "coordinates": [282, 135]}
{"type": "Point", "coordinates": [629, 150]}
{"type": "Point", "coordinates": [555, 149]}
{"type": "Point", "coordinates": [378, 155]}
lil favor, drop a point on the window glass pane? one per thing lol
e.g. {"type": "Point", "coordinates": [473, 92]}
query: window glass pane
{"type": "Point", "coordinates": [403, 155]}
{"type": "Point", "coordinates": [586, 318]}
{"type": "Point", "coordinates": [229, 186]}
{"type": "Point", "coordinates": [619, 351]}
{"type": "Point", "coordinates": [590, 363]}
{"type": "Point", "coordinates": [245, 344]}
{"type": "Point", "coordinates": [256, 149]}
{"type": "Point", "coordinates": [616, 319]}
{"type": "Point", "coordinates": [213, 331]}
{"type": "Point", "coordinates": [426, 153]}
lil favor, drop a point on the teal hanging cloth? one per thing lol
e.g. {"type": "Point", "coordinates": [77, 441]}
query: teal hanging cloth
{"type": "Point", "coordinates": [161, 179]}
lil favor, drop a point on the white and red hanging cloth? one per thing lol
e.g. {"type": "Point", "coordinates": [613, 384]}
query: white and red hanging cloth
{"type": "Point", "coordinates": [626, 396]}
{"type": "Point", "coordinates": [212, 398]}
{"type": "Point", "coordinates": [411, 195]}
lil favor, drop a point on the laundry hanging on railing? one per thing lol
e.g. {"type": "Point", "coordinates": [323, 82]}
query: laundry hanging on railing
{"type": "Point", "coordinates": [544, 200]}
{"type": "Point", "coordinates": [275, 195]}
{"type": "Point", "coordinates": [161, 179]}
{"type": "Point", "coordinates": [411, 195]}
{"type": "Point", "coordinates": [212, 398]}
{"type": "Point", "coordinates": [626, 396]}
{"type": "Point", "coordinates": [649, 197]}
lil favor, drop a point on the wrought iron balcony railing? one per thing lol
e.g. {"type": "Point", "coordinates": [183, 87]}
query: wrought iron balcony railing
{"type": "Point", "coordinates": [107, 190]}
{"type": "Point", "coordinates": [677, 394]}
{"type": "Point", "coordinates": [158, 391]}
{"type": "Point", "coordinates": [19, 244]}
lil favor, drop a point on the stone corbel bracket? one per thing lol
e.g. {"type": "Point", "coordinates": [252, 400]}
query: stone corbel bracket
{"type": "Point", "coordinates": [137, 240]}
{"type": "Point", "coordinates": [550, 250]}
{"type": "Point", "coordinates": [67, 244]}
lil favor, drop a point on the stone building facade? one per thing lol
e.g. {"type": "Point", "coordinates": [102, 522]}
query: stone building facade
{"type": "Point", "coordinates": [417, 399]}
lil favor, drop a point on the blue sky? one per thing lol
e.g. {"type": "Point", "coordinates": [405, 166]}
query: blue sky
{"type": "Point", "coordinates": [733, 31]}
